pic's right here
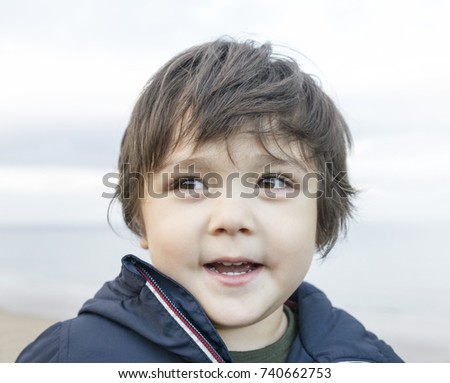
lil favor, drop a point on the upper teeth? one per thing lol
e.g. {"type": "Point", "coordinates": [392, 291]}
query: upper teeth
{"type": "Point", "coordinates": [232, 263]}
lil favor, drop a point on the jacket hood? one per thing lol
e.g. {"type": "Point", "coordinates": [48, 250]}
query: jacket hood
{"type": "Point", "coordinates": [159, 309]}
{"type": "Point", "coordinates": [144, 316]}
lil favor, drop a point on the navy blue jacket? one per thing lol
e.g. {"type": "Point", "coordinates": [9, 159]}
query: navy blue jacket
{"type": "Point", "coordinates": [144, 316]}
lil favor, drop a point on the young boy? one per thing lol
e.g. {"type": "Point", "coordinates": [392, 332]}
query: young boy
{"type": "Point", "coordinates": [232, 173]}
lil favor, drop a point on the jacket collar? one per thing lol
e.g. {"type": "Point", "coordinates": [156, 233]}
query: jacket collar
{"type": "Point", "coordinates": [327, 334]}
{"type": "Point", "coordinates": [161, 310]}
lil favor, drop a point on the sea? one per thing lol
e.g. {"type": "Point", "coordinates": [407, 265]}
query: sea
{"type": "Point", "coordinates": [393, 277]}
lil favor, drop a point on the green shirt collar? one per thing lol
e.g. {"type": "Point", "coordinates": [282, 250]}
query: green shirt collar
{"type": "Point", "coordinates": [273, 353]}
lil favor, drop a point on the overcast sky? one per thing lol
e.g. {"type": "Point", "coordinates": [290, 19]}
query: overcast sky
{"type": "Point", "coordinates": [70, 72]}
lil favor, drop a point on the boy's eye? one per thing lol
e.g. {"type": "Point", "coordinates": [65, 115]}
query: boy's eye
{"type": "Point", "coordinates": [274, 181]}
{"type": "Point", "coordinates": [185, 183]}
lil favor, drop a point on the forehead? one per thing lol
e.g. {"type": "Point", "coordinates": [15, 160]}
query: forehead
{"type": "Point", "coordinates": [248, 148]}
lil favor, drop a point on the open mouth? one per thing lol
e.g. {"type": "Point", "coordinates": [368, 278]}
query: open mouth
{"type": "Point", "coordinates": [232, 268]}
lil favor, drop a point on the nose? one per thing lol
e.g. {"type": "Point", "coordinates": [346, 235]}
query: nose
{"type": "Point", "coordinates": [232, 215]}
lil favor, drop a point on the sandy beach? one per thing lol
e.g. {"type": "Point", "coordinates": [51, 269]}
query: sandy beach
{"type": "Point", "coordinates": [17, 331]}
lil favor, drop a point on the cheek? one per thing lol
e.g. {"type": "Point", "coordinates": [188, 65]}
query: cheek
{"type": "Point", "coordinates": [299, 253]}
{"type": "Point", "coordinates": [295, 260]}
{"type": "Point", "coordinates": [294, 240]}
{"type": "Point", "coordinates": [171, 235]}
{"type": "Point", "coordinates": [166, 244]}
{"type": "Point", "coordinates": [296, 221]}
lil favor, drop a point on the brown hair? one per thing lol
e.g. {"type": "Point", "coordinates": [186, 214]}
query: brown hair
{"type": "Point", "coordinates": [209, 92]}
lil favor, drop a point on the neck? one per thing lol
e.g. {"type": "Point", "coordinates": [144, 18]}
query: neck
{"type": "Point", "coordinates": [256, 335]}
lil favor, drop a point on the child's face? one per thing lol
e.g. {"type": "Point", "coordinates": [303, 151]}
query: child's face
{"type": "Point", "coordinates": [240, 257]}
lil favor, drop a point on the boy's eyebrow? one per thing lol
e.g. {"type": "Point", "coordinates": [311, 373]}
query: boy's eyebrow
{"type": "Point", "coordinates": [203, 164]}
{"type": "Point", "coordinates": [290, 162]}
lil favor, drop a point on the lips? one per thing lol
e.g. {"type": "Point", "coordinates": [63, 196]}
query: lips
{"type": "Point", "coordinates": [232, 268]}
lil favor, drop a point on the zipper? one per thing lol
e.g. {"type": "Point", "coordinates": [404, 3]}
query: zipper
{"type": "Point", "coordinates": [180, 318]}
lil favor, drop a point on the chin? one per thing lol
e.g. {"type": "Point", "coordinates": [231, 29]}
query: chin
{"type": "Point", "coordinates": [233, 323]}
{"type": "Point", "coordinates": [234, 318]}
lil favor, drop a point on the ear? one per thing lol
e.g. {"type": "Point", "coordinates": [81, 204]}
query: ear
{"type": "Point", "coordinates": [144, 243]}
